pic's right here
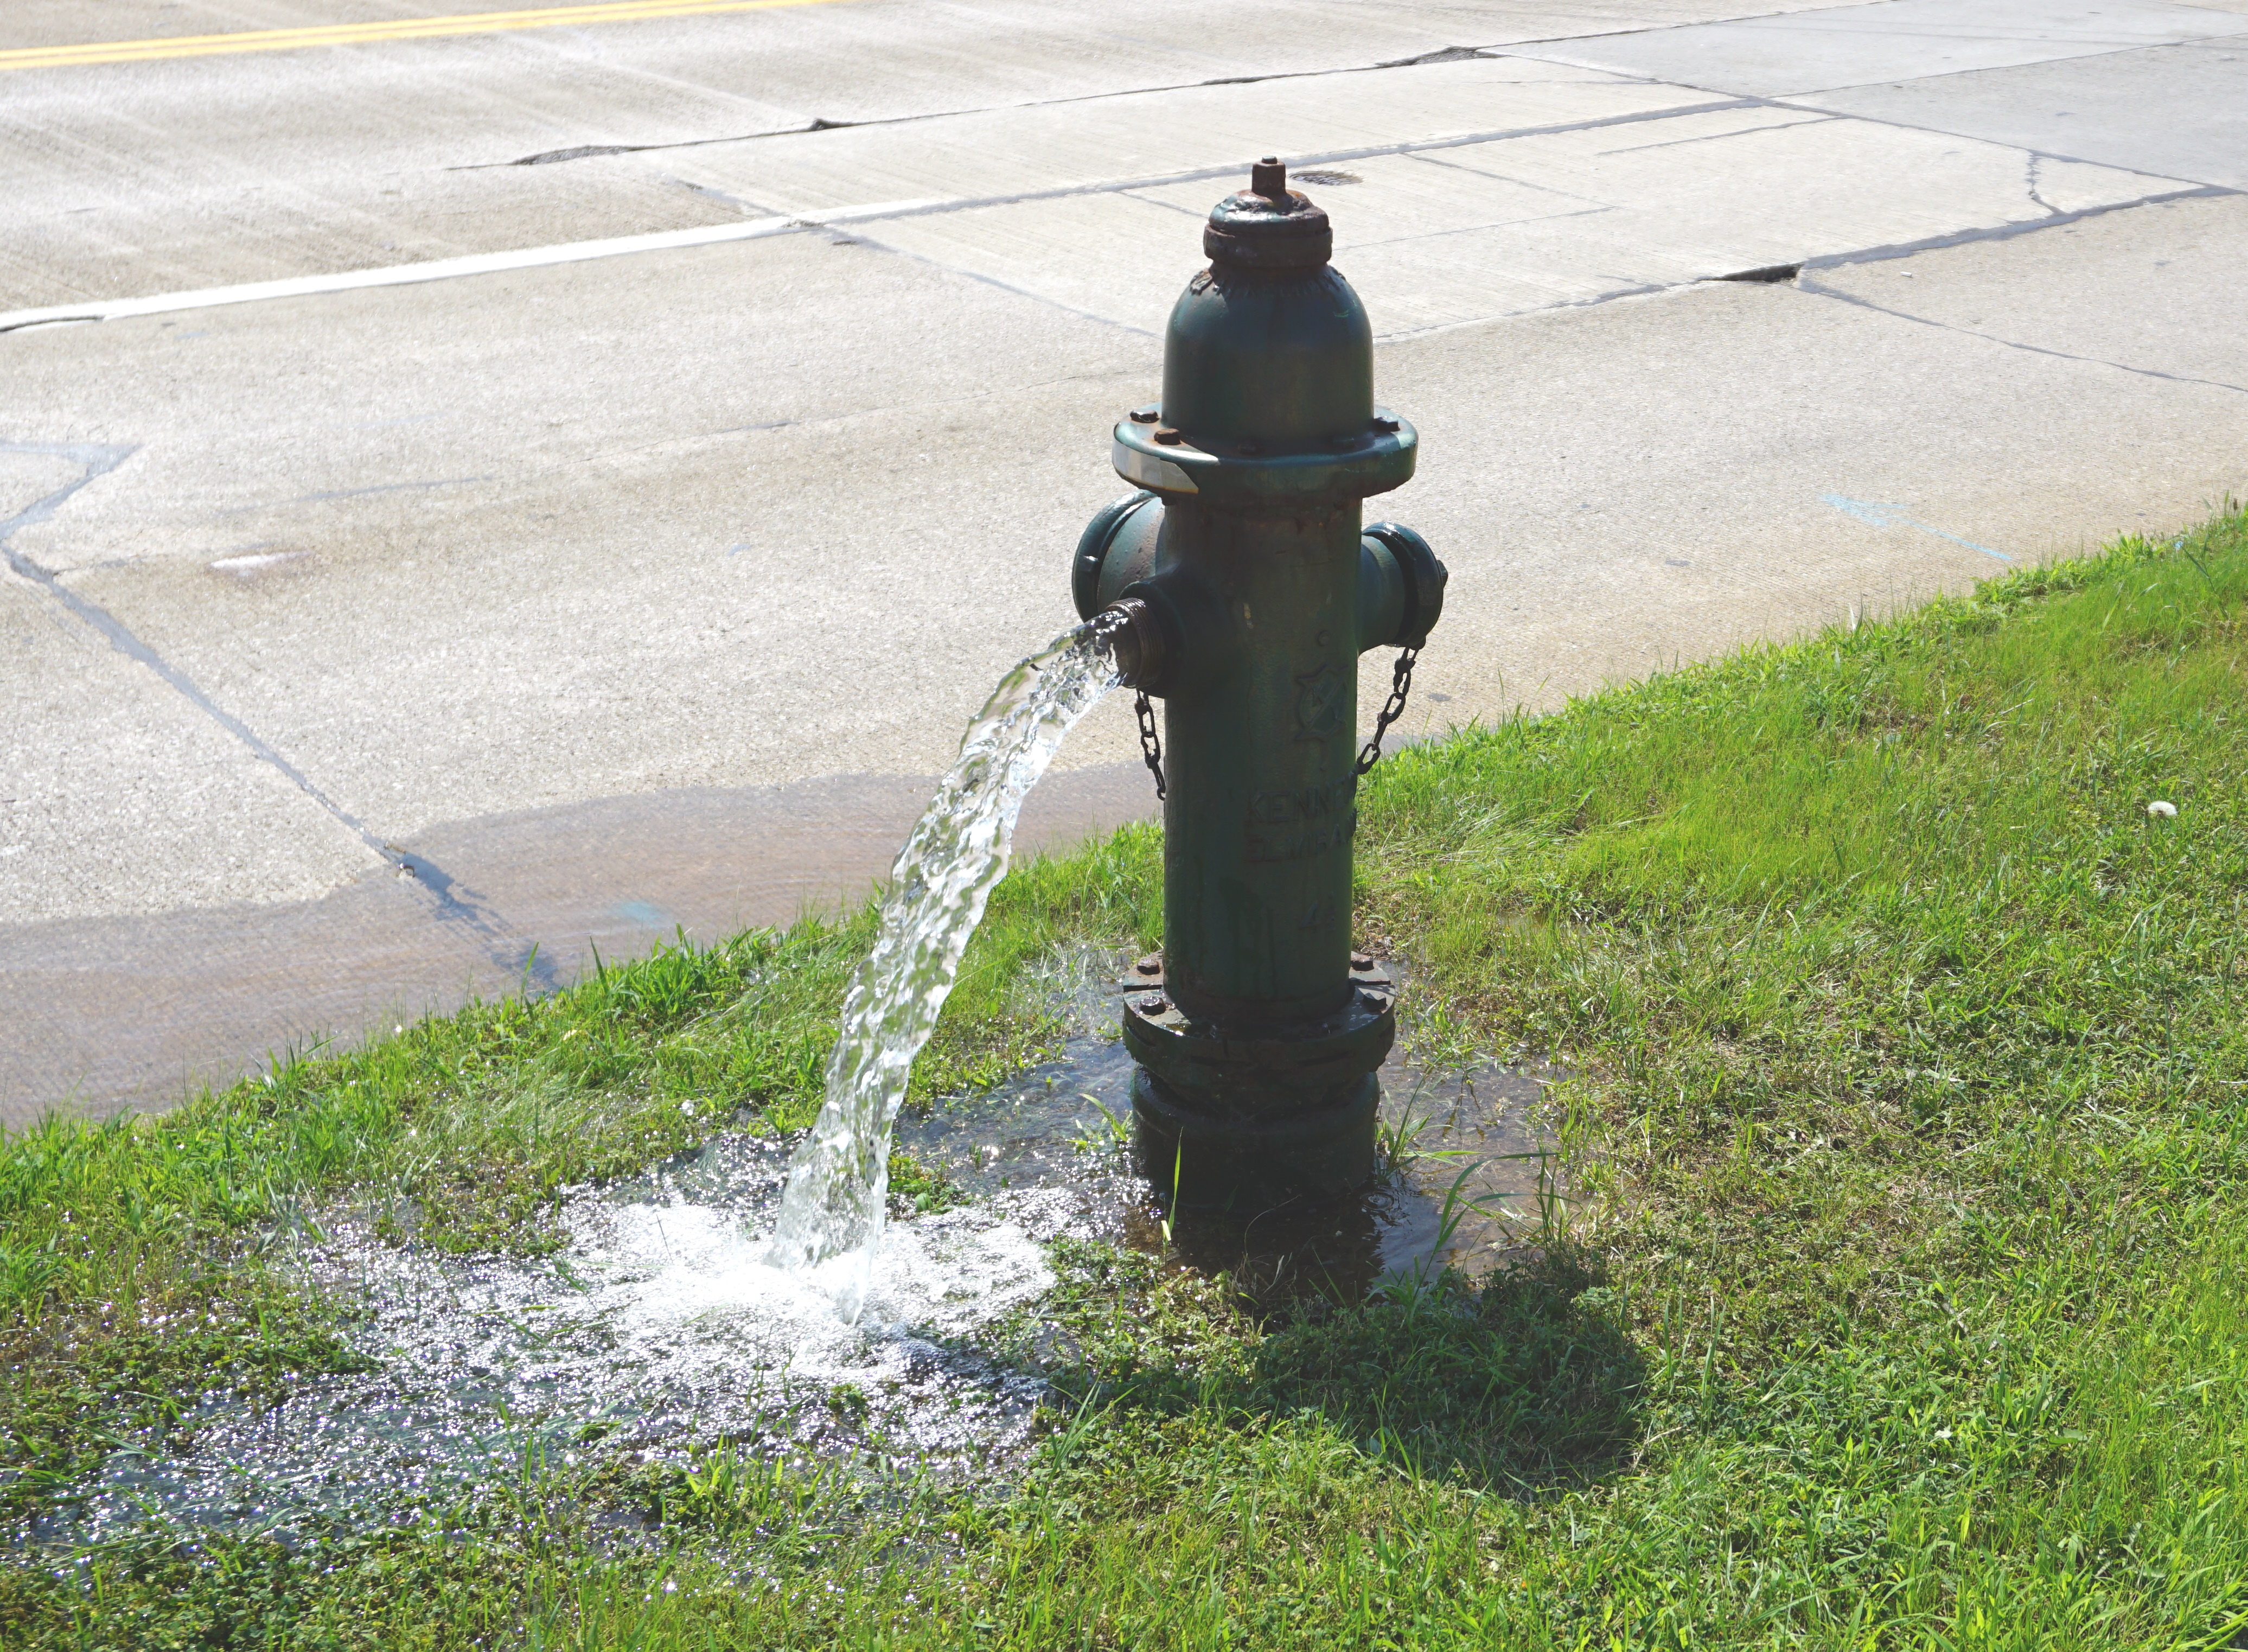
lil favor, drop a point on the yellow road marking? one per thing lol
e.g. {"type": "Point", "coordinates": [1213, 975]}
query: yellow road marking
{"type": "Point", "coordinates": [353, 34]}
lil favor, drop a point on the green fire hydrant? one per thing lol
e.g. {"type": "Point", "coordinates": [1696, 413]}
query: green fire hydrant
{"type": "Point", "coordinates": [1243, 591]}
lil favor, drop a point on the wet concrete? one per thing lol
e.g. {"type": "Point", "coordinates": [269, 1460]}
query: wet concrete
{"type": "Point", "coordinates": [139, 1011]}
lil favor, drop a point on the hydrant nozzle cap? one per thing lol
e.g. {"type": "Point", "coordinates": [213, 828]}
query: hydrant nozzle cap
{"type": "Point", "coordinates": [1268, 226]}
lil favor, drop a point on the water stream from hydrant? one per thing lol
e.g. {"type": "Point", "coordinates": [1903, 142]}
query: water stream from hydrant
{"type": "Point", "coordinates": [831, 1213]}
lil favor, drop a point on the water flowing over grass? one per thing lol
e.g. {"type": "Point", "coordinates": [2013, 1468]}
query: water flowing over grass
{"type": "Point", "coordinates": [1902, 1300]}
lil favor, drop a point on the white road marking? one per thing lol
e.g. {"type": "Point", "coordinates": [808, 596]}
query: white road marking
{"type": "Point", "coordinates": [402, 275]}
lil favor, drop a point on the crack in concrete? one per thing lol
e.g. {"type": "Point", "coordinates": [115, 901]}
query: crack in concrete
{"type": "Point", "coordinates": [1590, 301]}
{"type": "Point", "coordinates": [352, 493]}
{"type": "Point", "coordinates": [820, 123]}
{"type": "Point", "coordinates": [2008, 231]}
{"type": "Point", "coordinates": [595, 151]}
{"type": "Point", "coordinates": [2039, 156]}
{"type": "Point", "coordinates": [1804, 284]}
{"type": "Point", "coordinates": [825, 219]}
{"type": "Point", "coordinates": [1442, 54]}
{"type": "Point", "coordinates": [1505, 50]}
{"type": "Point", "coordinates": [1719, 137]}
{"type": "Point", "coordinates": [1319, 158]}
{"type": "Point", "coordinates": [747, 208]}
{"type": "Point", "coordinates": [843, 238]}
{"type": "Point", "coordinates": [454, 902]}
{"type": "Point", "coordinates": [1592, 211]}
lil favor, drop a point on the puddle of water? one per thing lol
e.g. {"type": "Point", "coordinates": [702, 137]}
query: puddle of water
{"type": "Point", "coordinates": [660, 1329]}
{"type": "Point", "coordinates": [1465, 1193]}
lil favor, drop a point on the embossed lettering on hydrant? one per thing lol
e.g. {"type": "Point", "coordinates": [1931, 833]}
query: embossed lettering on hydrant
{"type": "Point", "coordinates": [1309, 820]}
{"type": "Point", "coordinates": [1266, 848]}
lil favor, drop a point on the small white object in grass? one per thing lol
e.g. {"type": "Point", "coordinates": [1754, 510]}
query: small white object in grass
{"type": "Point", "coordinates": [2161, 810]}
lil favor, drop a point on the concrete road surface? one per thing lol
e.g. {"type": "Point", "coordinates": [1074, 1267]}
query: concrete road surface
{"type": "Point", "coordinates": [470, 494]}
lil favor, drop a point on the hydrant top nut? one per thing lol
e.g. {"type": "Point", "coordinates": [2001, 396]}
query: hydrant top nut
{"type": "Point", "coordinates": [1268, 226]}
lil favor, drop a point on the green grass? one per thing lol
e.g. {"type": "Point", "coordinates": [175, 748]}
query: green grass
{"type": "Point", "coordinates": [1901, 1304]}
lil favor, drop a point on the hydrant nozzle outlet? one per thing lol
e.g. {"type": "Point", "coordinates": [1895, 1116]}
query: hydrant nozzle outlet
{"type": "Point", "coordinates": [1136, 642]}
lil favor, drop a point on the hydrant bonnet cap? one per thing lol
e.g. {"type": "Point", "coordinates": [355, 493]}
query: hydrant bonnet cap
{"type": "Point", "coordinates": [1268, 226]}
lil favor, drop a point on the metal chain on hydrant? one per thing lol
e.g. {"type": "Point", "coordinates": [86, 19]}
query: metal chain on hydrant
{"type": "Point", "coordinates": [1400, 686]}
{"type": "Point", "coordinates": [1151, 743]}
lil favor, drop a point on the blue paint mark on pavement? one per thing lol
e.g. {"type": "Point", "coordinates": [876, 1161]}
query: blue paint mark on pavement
{"type": "Point", "coordinates": [645, 912]}
{"type": "Point", "coordinates": [1893, 516]}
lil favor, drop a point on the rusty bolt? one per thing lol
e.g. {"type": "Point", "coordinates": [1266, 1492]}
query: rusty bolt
{"type": "Point", "coordinates": [1167, 436]}
{"type": "Point", "coordinates": [1144, 416]}
{"type": "Point", "coordinates": [1376, 1002]}
{"type": "Point", "coordinates": [1152, 965]}
{"type": "Point", "coordinates": [1388, 426]}
{"type": "Point", "coordinates": [1153, 1003]}
{"type": "Point", "coordinates": [1362, 960]}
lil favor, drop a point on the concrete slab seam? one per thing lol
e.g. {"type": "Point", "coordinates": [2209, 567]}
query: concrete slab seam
{"type": "Point", "coordinates": [1592, 301]}
{"type": "Point", "coordinates": [581, 251]}
{"type": "Point", "coordinates": [2113, 47]}
{"type": "Point", "coordinates": [2008, 231]}
{"type": "Point", "coordinates": [358, 493]}
{"type": "Point", "coordinates": [400, 275]}
{"type": "Point", "coordinates": [99, 460]}
{"type": "Point", "coordinates": [1788, 101]}
{"type": "Point", "coordinates": [1048, 299]}
{"type": "Point", "coordinates": [1298, 162]}
{"type": "Point", "coordinates": [2038, 157]}
{"type": "Point", "coordinates": [1816, 290]}
{"type": "Point", "coordinates": [1447, 54]}
{"type": "Point", "coordinates": [1777, 273]}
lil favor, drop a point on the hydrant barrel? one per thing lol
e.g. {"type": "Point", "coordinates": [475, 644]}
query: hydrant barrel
{"type": "Point", "coordinates": [1260, 752]}
{"type": "Point", "coordinates": [1246, 589]}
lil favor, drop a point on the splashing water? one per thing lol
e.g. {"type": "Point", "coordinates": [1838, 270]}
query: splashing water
{"type": "Point", "coordinates": [838, 1182]}
{"type": "Point", "coordinates": [657, 1333]}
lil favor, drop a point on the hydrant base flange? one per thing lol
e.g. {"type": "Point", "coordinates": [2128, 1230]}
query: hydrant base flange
{"type": "Point", "coordinates": [1247, 1070]}
{"type": "Point", "coordinates": [1197, 1162]}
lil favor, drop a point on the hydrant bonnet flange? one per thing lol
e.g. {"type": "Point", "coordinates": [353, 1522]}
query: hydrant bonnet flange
{"type": "Point", "coordinates": [1351, 465]}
